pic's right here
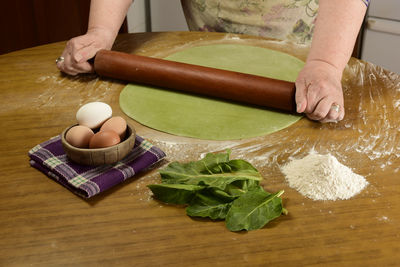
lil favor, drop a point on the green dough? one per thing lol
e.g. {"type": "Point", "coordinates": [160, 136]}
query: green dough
{"type": "Point", "coordinates": [213, 119]}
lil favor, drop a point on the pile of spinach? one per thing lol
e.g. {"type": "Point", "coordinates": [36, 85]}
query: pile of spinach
{"type": "Point", "coordinates": [221, 189]}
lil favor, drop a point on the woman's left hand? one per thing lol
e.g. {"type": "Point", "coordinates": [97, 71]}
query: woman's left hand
{"type": "Point", "coordinates": [319, 92]}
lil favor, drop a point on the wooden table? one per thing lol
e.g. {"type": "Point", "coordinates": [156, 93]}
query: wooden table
{"type": "Point", "coordinates": [43, 224]}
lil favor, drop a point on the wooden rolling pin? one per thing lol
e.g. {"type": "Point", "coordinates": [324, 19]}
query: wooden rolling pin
{"type": "Point", "coordinates": [240, 87]}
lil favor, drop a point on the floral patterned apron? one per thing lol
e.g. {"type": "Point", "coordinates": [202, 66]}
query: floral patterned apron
{"type": "Point", "coordinates": [292, 20]}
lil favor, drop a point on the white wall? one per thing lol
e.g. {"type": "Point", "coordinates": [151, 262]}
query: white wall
{"type": "Point", "coordinates": [166, 15]}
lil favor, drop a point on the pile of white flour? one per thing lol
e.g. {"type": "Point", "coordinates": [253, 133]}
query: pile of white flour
{"type": "Point", "coordinates": [323, 177]}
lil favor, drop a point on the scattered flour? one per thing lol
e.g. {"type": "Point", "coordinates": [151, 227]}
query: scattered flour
{"type": "Point", "coordinates": [323, 177]}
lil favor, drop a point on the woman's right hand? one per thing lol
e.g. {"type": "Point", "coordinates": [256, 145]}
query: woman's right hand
{"type": "Point", "coordinates": [80, 49]}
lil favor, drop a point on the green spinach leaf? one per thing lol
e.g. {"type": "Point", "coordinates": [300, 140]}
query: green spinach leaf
{"type": "Point", "coordinates": [219, 188]}
{"type": "Point", "coordinates": [212, 203]}
{"type": "Point", "coordinates": [175, 193]}
{"type": "Point", "coordinates": [253, 210]}
{"type": "Point", "coordinates": [215, 170]}
{"type": "Point", "coordinates": [240, 187]}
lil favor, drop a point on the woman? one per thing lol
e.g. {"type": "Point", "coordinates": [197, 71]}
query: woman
{"type": "Point", "coordinates": [331, 26]}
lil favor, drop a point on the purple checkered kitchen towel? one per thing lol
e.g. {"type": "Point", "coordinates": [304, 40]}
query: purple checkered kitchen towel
{"type": "Point", "coordinates": [86, 181]}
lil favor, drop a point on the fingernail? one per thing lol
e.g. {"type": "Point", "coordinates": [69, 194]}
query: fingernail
{"type": "Point", "coordinates": [78, 57]}
{"type": "Point", "coordinates": [299, 107]}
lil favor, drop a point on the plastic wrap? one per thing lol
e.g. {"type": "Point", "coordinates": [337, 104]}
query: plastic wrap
{"type": "Point", "coordinates": [367, 140]}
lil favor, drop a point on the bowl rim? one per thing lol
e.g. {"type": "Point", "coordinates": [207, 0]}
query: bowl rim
{"type": "Point", "coordinates": [104, 149]}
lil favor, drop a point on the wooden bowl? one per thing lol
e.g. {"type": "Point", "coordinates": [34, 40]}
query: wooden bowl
{"type": "Point", "coordinates": [100, 156]}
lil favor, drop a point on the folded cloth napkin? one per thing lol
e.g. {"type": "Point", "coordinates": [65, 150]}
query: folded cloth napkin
{"type": "Point", "coordinates": [49, 157]}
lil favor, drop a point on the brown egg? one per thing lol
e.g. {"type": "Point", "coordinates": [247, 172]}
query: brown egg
{"type": "Point", "coordinates": [104, 139]}
{"type": "Point", "coordinates": [79, 136]}
{"type": "Point", "coordinates": [116, 124]}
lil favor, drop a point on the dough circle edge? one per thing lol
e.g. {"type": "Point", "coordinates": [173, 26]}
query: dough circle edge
{"type": "Point", "coordinates": [212, 119]}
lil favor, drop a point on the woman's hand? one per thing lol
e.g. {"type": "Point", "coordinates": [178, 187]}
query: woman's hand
{"type": "Point", "coordinates": [318, 87]}
{"type": "Point", "coordinates": [319, 92]}
{"type": "Point", "coordinates": [82, 48]}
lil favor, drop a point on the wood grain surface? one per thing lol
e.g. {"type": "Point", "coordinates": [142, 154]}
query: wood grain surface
{"type": "Point", "coordinates": [44, 224]}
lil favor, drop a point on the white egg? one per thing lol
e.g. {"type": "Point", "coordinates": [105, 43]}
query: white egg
{"type": "Point", "coordinates": [93, 114]}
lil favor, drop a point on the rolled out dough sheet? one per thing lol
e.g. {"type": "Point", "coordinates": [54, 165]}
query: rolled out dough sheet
{"type": "Point", "coordinates": [213, 119]}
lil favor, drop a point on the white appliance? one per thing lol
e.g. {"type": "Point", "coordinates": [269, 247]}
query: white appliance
{"type": "Point", "coordinates": [381, 38]}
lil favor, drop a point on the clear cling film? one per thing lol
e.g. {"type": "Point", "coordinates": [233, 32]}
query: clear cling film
{"type": "Point", "coordinates": [367, 140]}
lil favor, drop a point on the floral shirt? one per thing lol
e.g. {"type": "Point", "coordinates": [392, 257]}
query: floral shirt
{"type": "Point", "coordinates": [282, 19]}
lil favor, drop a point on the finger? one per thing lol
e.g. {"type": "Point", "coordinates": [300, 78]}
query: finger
{"type": "Point", "coordinates": [301, 96]}
{"type": "Point", "coordinates": [64, 64]}
{"type": "Point", "coordinates": [339, 110]}
{"type": "Point", "coordinates": [336, 114]}
{"type": "Point", "coordinates": [312, 98]}
{"type": "Point", "coordinates": [84, 67]}
{"type": "Point", "coordinates": [71, 47]}
{"type": "Point", "coordinates": [332, 116]}
{"type": "Point", "coordinates": [322, 110]}
{"type": "Point", "coordinates": [67, 66]}
{"type": "Point", "coordinates": [60, 61]}
{"type": "Point", "coordinates": [75, 45]}
{"type": "Point", "coordinates": [86, 53]}
{"type": "Point", "coordinates": [342, 113]}
{"type": "Point", "coordinates": [60, 64]}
